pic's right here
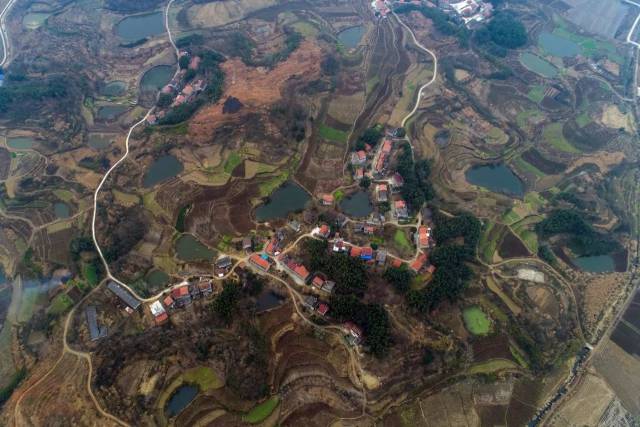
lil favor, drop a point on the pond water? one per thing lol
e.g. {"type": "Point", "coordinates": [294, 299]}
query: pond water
{"type": "Point", "coordinates": [156, 78]}
{"type": "Point", "coordinates": [538, 65]}
{"type": "Point", "coordinates": [557, 46]}
{"type": "Point", "coordinates": [157, 278]}
{"type": "Point", "coordinates": [100, 141]}
{"type": "Point", "coordinates": [442, 138]}
{"type": "Point", "coordinates": [110, 112]}
{"type": "Point", "coordinates": [137, 27]}
{"type": "Point", "coordinates": [21, 142]}
{"type": "Point", "coordinates": [188, 248]}
{"type": "Point", "coordinates": [114, 88]}
{"type": "Point", "coordinates": [357, 204]}
{"type": "Point", "coordinates": [61, 210]}
{"type": "Point", "coordinates": [181, 399]}
{"type": "Point", "coordinates": [268, 300]}
{"type": "Point", "coordinates": [350, 37]}
{"type": "Point", "coordinates": [290, 197]}
{"type": "Point", "coordinates": [162, 168]}
{"type": "Point", "coordinates": [497, 178]}
{"type": "Point", "coordinates": [34, 20]}
{"type": "Point", "coordinates": [596, 264]}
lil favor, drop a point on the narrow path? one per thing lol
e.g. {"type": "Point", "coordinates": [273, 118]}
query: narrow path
{"type": "Point", "coordinates": [3, 33]}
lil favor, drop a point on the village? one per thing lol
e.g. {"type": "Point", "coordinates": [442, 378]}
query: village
{"type": "Point", "coordinates": [467, 12]}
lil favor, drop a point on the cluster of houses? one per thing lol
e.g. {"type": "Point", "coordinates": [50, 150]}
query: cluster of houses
{"type": "Point", "coordinates": [180, 296]}
{"type": "Point", "coordinates": [468, 11]}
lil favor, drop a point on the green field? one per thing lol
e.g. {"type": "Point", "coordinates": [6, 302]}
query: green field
{"type": "Point", "coordinates": [476, 321]}
{"type": "Point", "coordinates": [60, 304]}
{"type": "Point", "coordinates": [523, 118]}
{"type": "Point", "coordinates": [510, 217]}
{"type": "Point", "coordinates": [400, 238]}
{"type": "Point", "coordinates": [332, 134]}
{"type": "Point", "coordinates": [590, 46]}
{"type": "Point", "coordinates": [204, 377]}
{"type": "Point", "coordinates": [232, 162]}
{"type": "Point", "coordinates": [536, 93]}
{"type": "Point", "coordinates": [338, 195]}
{"type": "Point", "coordinates": [583, 119]}
{"type": "Point", "coordinates": [491, 366]}
{"type": "Point", "coordinates": [90, 274]}
{"type": "Point", "coordinates": [528, 167]}
{"type": "Point", "coordinates": [552, 134]}
{"type": "Point", "coordinates": [260, 412]}
{"type": "Point", "coordinates": [489, 242]}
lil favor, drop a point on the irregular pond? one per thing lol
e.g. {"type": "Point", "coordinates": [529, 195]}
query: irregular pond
{"type": "Point", "coordinates": [350, 37]}
{"type": "Point", "coordinates": [357, 204]}
{"type": "Point", "coordinates": [538, 65]}
{"type": "Point", "coordinates": [114, 88]}
{"type": "Point", "coordinates": [557, 46]}
{"type": "Point", "coordinates": [188, 248]}
{"type": "Point", "coordinates": [596, 263]}
{"type": "Point", "coordinates": [21, 142]}
{"type": "Point", "coordinates": [162, 168]}
{"type": "Point", "coordinates": [181, 399]}
{"type": "Point", "coordinates": [157, 278]}
{"type": "Point", "coordinates": [61, 210]}
{"type": "Point", "coordinates": [137, 27]}
{"type": "Point", "coordinates": [497, 178]}
{"type": "Point", "coordinates": [268, 300]}
{"type": "Point", "coordinates": [34, 20]}
{"type": "Point", "coordinates": [156, 78]}
{"type": "Point", "coordinates": [110, 112]}
{"type": "Point", "coordinates": [290, 197]}
{"type": "Point", "coordinates": [100, 141]}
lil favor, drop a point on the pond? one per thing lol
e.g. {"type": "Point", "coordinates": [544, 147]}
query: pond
{"type": "Point", "coordinates": [350, 37]}
{"type": "Point", "coordinates": [188, 248]}
{"type": "Point", "coordinates": [114, 88]}
{"type": "Point", "coordinates": [34, 20]}
{"type": "Point", "coordinates": [357, 204]}
{"type": "Point", "coordinates": [497, 178]}
{"type": "Point", "coordinates": [476, 321]}
{"type": "Point", "coordinates": [442, 137]}
{"type": "Point", "coordinates": [290, 197]}
{"type": "Point", "coordinates": [268, 300]}
{"type": "Point", "coordinates": [61, 210]}
{"type": "Point", "coordinates": [111, 112]}
{"type": "Point", "coordinates": [21, 142]}
{"type": "Point", "coordinates": [138, 27]}
{"type": "Point", "coordinates": [557, 46]}
{"type": "Point", "coordinates": [181, 399]}
{"type": "Point", "coordinates": [162, 168]}
{"type": "Point", "coordinates": [156, 78]}
{"type": "Point", "coordinates": [100, 141]}
{"type": "Point", "coordinates": [538, 65]}
{"type": "Point", "coordinates": [157, 278]}
{"type": "Point", "coordinates": [596, 263]}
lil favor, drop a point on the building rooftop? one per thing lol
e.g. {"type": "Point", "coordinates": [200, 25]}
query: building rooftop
{"type": "Point", "coordinates": [124, 295]}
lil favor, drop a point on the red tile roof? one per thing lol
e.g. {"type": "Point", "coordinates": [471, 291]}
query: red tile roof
{"type": "Point", "coordinates": [181, 291]}
{"type": "Point", "coordinates": [386, 146]}
{"type": "Point", "coordinates": [327, 198]}
{"type": "Point", "coordinates": [168, 301]}
{"type": "Point", "coordinates": [367, 251]}
{"type": "Point", "coordinates": [382, 187]}
{"type": "Point", "coordinates": [324, 230]}
{"type": "Point", "coordinates": [399, 204]}
{"type": "Point", "coordinates": [355, 251]}
{"type": "Point", "coordinates": [396, 263]}
{"type": "Point", "coordinates": [161, 318]}
{"type": "Point", "coordinates": [423, 236]}
{"type": "Point", "coordinates": [301, 271]}
{"type": "Point", "coordinates": [322, 309]}
{"type": "Point", "coordinates": [419, 262]}
{"type": "Point", "coordinates": [318, 281]}
{"type": "Point", "coordinates": [260, 262]}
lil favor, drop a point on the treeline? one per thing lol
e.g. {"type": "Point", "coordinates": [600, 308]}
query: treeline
{"type": "Point", "coordinates": [20, 93]}
{"type": "Point", "coordinates": [371, 136]}
{"type": "Point", "coordinates": [441, 21]}
{"type": "Point", "coordinates": [502, 33]}
{"type": "Point", "coordinates": [416, 188]}
{"type": "Point", "coordinates": [584, 240]}
{"type": "Point", "coordinates": [450, 258]}
{"type": "Point", "coordinates": [129, 6]}
{"type": "Point", "coordinates": [16, 379]}
{"type": "Point", "coordinates": [224, 306]}
{"type": "Point", "coordinates": [243, 47]}
{"type": "Point", "coordinates": [350, 275]}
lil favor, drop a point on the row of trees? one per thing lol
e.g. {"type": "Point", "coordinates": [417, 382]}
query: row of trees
{"type": "Point", "coordinates": [417, 188]}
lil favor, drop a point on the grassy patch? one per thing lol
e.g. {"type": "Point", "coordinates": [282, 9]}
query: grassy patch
{"type": "Point", "coordinates": [204, 377]}
{"type": "Point", "coordinates": [524, 117]}
{"type": "Point", "coordinates": [232, 162]}
{"type": "Point", "coordinates": [126, 199]}
{"type": "Point", "coordinates": [260, 412]}
{"type": "Point", "coordinates": [534, 201]}
{"type": "Point", "coordinates": [488, 242]}
{"type": "Point", "coordinates": [496, 289]}
{"type": "Point", "coordinates": [64, 195]}
{"type": "Point", "coordinates": [583, 119]}
{"type": "Point", "coordinates": [305, 28]}
{"type": "Point", "coordinates": [519, 357]}
{"type": "Point", "coordinates": [268, 187]}
{"type": "Point", "coordinates": [400, 238]}
{"type": "Point", "coordinates": [510, 217]}
{"type": "Point", "coordinates": [338, 195]}
{"type": "Point", "coordinates": [493, 310]}
{"type": "Point", "coordinates": [528, 167]}
{"type": "Point", "coordinates": [60, 304]}
{"type": "Point", "coordinates": [491, 366]}
{"type": "Point", "coordinates": [332, 134]}
{"type": "Point", "coordinates": [90, 274]}
{"type": "Point", "coordinates": [476, 321]}
{"type": "Point", "coordinates": [590, 46]}
{"type": "Point", "coordinates": [372, 83]}
{"type": "Point", "coordinates": [552, 134]}
{"type": "Point", "coordinates": [536, 93]}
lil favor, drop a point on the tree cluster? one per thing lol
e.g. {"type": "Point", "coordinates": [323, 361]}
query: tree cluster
{"type": "Point", "coordinates": [400, 278]}
{"type": "Point", "coordinates": [417, 188]}
{"type": "Point", "coordinates": [349, 273]}
{"type": "Point", "coordinates": [125, 231]}
{"type": "Point", "coordinates": [502, 33]}
{"type": "Point", "coordinates": [371, 136]}
{"type": "Point", "coordinates": [242, 46]}
{"type": "Point", "coordinates": [225, 303]}
{"type": "Point", "coordinates": [441, 21]}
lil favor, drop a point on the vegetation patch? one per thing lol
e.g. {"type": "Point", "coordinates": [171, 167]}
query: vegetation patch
{"type": "Point", "coordinates": [203, 377]}
{"type": "Point", "coordinates": [476, 321]}
{"type": "Point", "coordinates": [61, 303]}
{"type": "Point", "coordinates": [260, 412]}
{"type": "Point", "coordinates": [491, 366]}
{"type": "Point", "coordinates": [552, 134]}
{"type": "Point", "coordinates": [400, 238]}
{"type": "Point", "coordinates": [332, 134]}
{"type": "Point", "coordinates": [541, 163]}
{"type": "Point", "coordinates": [232, 162]}
{"type": "Point", "coordinates": [536, 93]}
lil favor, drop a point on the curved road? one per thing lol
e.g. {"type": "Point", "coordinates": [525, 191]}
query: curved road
{"type": "Point", "coordinates": [3, 33]}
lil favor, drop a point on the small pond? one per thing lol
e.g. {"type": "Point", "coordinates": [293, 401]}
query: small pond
{"type": "Point", "coordinates": [181, 399]}
{"type": "Point", "coordinates": [111, 112]}
{"type": "Point", "coordinates": [350, 37]}
{"type": "Point", "coordinates": [34, 20]}
{"type": "Point", "coordinates": [357, 204]}
{"type": "Point", "coordinates": [114, 88]}
{"type": "Point", "coordinates": [442, 138]}
{"type": "Point", "coordinates": [596, 263]}
{"type": "Point", "coordinates": [137, 27]}
{"type": "Point", "coordinates": [497, 178]}
{"type": "Point", "coordinates": [538, 65]}
{"type": "Point", "coordinates": [188, 248]}
{"type": "Point", "coordinates": [162, 168]}
{"type": "Point", "coordinates": [156, 78]}
{"type": "Point", "coordinates": [100, 141]}
{"type": "Point", "coordinates": [268, 300]}
{"type": "Point", "coordinates": [61, 210]}
{"type": "Point", "coordinates": [557, 46]}
{"type": "Point", "coordinates": [290, 197]}
{"type": "Point", "coordinates": [157, 278]}
{"type": "Point", "coordinates": [476, 321]}
{"type": "Point", "coordinates": [21, 142]}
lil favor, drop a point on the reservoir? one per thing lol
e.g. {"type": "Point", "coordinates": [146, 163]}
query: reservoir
{"type": "Point", "coordinates": [111, 112]}
{"type": "Point", "coordinates": [497, 178]}
{"type": "Point", "coordinates": [538, 65]}
{"type": "Point", "coordinates": [188, 248]}
{"type": "Point", "coordinates": [114, 88]}
{"type": "Point", "coordinates": [290, 197]}
{"type": "Point", "coordinates": [557, 46]}
{"type": "Point", "coordinates": [21, 142]}
{"type": "Point", "coordinates": [156, 78]}
{"type": "Point", "coordinates": [351, 36]}
{"type": "Point", "coordinates": [595, 264]}
{"type": "Point", "coordinates": [162, 168]}
{"type": "Point", "coordinates": [137, 27]}
{"type": "Point", "coordinates": [181, 399]}
{"type": "Point", "coordinates": [357, 204]}
{"type": "Point", "coordinates": [157, 278]}
{"type": "Point", "coordinates": [61, 210]}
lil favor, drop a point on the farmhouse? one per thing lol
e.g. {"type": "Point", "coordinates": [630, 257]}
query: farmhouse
{"type": "Point", "coordinates": [95, 332]}
{"type": "Point", "coordinates": [401, 210]}
{"type": "Point", "coordinates": [124, 295]}
{"type": "Point", "coordinates": [260, 262]}
{"type": "Point", "coordinates": [181, 294]}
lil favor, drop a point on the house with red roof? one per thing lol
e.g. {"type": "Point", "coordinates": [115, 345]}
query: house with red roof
{"type": "Point", "coordinates": [298, 271]}
{"type": "Point", "coordinates": [419, 263]}
{"type": "Point", "coordinates": [383, 192]}
{"type": "Point", "coordinates": [387, 145]}
{"type": "Point", "coordinates": [366, 254]}
{"type": "Point", "coordinates": [322, 309]}
{"type": "Point", "coordinates": [181, 294]}
{"type": "Point", "coordinates": [422, 236]}
{"type": "Point", "coordinates": [400, 207]}
{"type": "Point", "coordinates": [168, 302]}
{"type": "Point", "coordinates": [258, 261]}
{"type": "Point", "coordinates": [327, 199]}
{"type": "Point", "coordinates": [359, 158]}
{"type": "Point", "coordinates": [354, 333]}
{"type": "Point", "coordinates": [317, 282]}
{"type": "Point", "coordinates": [355, 252]}
{"type": "Point", "coordinates": [194, 63]}
{"type": "Point", "coordinates": [325, 231]}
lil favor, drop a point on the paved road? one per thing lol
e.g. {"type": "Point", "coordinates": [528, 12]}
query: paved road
{"type": "Point", "coordinates": [3, 32]}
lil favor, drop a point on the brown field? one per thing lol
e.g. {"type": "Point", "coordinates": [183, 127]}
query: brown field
{"type": "Point", "coordinates": [586, 405]}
